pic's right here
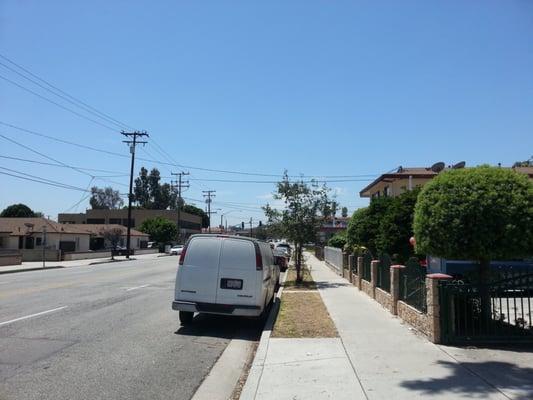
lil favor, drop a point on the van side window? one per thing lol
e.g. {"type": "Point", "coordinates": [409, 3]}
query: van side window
{"type": "Point", "coordinates": [203, 252]}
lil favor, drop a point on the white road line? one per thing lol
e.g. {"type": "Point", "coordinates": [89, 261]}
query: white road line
{"type": "Point", "coordinates": [32, 315]}
{"type": "Point", "coordinates": [136, 287]}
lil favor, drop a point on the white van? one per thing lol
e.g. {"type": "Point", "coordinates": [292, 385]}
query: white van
{"type": "Point", "coordinates": [220, 274]}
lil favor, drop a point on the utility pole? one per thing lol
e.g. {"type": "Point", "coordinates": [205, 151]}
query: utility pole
{"type": "Point", "coordinates": [251, 229]}
{"type": "Point", "coordinates": [132, 144]}
{"type": "Point", "coordinates": [208, 194]}
{"type": "Point", "coordinates": [181, 185]}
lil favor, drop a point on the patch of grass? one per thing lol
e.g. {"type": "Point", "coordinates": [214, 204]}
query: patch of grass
{"type": "Point", "coordinates": [303, 315]}
{"type": "Point", "coordinates": [307, 281]}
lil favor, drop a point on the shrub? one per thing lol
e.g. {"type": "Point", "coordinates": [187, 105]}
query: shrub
{"type": "Point", "coordinates": [338, 240]}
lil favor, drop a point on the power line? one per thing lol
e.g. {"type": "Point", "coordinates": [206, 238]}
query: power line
{"type": "Point", "coordinates": [66, 166]}
{"type": "Point", "coordinates": [115, 121]}
{"type": "Point", "coordinates": [57, 104]}
{"type": "Point", "coordinates": [39, 179]}
{"type": "Point", "coordinates": [209, 194]}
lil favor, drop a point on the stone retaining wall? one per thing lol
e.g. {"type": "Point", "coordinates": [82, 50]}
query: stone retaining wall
{"type": "Point", "coordinates": [367, 288]}
{"type": "Point", "coordinates": [415, 318]}
{"type": "Point", "coordinates": [383, 298]}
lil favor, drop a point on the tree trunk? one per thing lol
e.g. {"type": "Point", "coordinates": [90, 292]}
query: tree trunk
{"type": "Point", "coordinates": [298, 261]}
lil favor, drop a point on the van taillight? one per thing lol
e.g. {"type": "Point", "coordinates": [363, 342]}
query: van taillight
{"type": "Point", "coordinates": [182, 255]}
{"type": "Point", "coordinates": [258, 258]}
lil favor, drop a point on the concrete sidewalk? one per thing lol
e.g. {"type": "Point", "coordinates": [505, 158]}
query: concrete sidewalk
{"type": "Point", "coordinates": [37, 265]}
{"type": "Point", "coordinates": [379, 357]}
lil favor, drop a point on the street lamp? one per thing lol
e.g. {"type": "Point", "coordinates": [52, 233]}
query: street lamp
{"type": "Point", "coordinates": [226, 213]}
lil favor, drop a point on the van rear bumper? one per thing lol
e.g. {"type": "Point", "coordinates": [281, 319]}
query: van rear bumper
{"type": "Point", "coordinates": [211, 308]}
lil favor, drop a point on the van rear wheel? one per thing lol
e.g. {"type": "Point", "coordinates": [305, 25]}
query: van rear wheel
{"type": "Point", "coordinates": [186, 317]}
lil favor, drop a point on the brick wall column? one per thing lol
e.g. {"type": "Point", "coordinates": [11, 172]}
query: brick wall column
{"type": "Point", "coordinates": [374, 265]}
{"type": "Point", "coordinates": [395, 286]}
{"type": "Point", "coordinates": [433, 305]}
{"type": "Point", "coordinates": [351, 266]}
{"type": "Point", "coordinates": [359, 271]}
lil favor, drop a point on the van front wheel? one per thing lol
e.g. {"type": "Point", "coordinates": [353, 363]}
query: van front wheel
{"type": "Point", "coordinates": [186, 317]}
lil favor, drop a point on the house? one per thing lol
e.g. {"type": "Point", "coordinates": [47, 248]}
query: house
{"type": "Point", "coordinates": [189, 223]}
{"type": "Point", "coordinates": [28, 235]}
{"type": "Point", "coordinates": [330, 226]}
{"type": "Point", "coordinates": [394, 183]}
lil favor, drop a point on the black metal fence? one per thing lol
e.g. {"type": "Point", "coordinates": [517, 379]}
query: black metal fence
{"type": "Point", "coordinates": [499, 310]}
{"type": "Point", "coordinates": [413, 284]}
{"type": "Point", "coordinates": [367, 261]}
{"type": "Point", "coordinates": [383, 278]}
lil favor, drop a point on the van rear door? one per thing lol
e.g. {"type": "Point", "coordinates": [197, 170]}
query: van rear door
{"type": "Point", "coordinates": [198, 275]}
{"type": "Point", "coordinates": [237, 273]}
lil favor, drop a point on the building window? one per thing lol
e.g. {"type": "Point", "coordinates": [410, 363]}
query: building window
{"type": "Point", "coordinates": [117, 221]}
{"type": "Point", "coordinates": [99, 221]}
{"type": "Point", "coordinates": [386, 191]}
{"type": "Point", "coordinates": [38, 241]}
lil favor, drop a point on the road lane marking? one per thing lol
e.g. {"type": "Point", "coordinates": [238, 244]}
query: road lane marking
{"type": "Point", "coordinates": [136, 287]}
{"type": "Point", "coordinates": [32, 315]}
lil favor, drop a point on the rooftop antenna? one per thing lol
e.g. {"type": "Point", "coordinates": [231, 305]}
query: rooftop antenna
{"type": "Point", "coordinates": [459, 165]}
{"type": "Point", "coordinates": [437, 167]}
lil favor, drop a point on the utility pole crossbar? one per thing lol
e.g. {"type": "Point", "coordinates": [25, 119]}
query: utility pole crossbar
{"type": "Point", "coordinates": [132, 144]}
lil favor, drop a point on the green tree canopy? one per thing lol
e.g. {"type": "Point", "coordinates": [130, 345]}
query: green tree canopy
{"type": "Point", "coordinates": [364, 226]}
{"type": "Point", "coordinates": [17, 211]}
{"type": "Point", "coordinates": [344, 212]}
{"type": "Point", "coordinates": [396, 226]}
{"type": "Point", "coordinates": [105, 199]}
{"type": "Point", "coordinates": [160, 230]}
{"type": "Point", "coordinates": [191, 209]}
{"type": "Point", "coordinates": [150, 193]}
{"type": "Point", "coordinates": [482, 213]}
{"type": "Point", "coordinates": [338, 240]}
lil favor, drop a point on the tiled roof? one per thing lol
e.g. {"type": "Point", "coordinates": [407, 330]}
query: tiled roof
{"type": "Point", "coordinates": [23, 226]}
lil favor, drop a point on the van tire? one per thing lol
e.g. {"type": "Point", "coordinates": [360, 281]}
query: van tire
{"type": "Point", "coordinates": [186, 317]}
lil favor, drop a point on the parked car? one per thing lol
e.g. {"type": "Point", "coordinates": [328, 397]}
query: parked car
{"type": "Point", "coordinates": [176, 250]}
{"type": "Point", "coordinates": [220, 274]}
{"type": "Point", "coordinates": [284, 247]}
{"type": "Point", "coordinates": [282, 260]}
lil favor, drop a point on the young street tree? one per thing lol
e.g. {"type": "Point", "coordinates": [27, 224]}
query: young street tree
{"type": "Point", "coordinates": [105, 199]}
{"type": "Point", "coordinates": [112, 238]}
{"type": "Point", "coordinates": [344, 212]}
{"type": "Point", "coordinates": [478, 214]}
{"type": "Point", "coordinates": [301, 218]}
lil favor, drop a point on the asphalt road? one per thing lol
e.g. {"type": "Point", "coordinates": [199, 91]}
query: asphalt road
{"type": "Point", "coordinates": [105, 332]}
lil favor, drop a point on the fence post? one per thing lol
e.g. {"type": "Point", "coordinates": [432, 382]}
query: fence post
{"type": "Point", "coordinates": [374, 265]}
{"type": "Point", "coordinates": [359, 272]}
{"type": "Point", "coordinates": [344, 264]}
{"type": "Point", "coordinates": [351, 266]}
{"type": "Point", "coordinates": [433, 305]}
{"type": "Point", "coordinates": [395, 286]}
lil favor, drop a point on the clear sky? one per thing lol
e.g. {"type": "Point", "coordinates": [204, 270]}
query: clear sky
{"type": "Point", "coordinates": [318, 88]}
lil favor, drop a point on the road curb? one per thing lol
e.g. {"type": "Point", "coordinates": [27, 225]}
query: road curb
{"type": "Point", "coordinates": [256, 371]}
{"type": "Point", "coordinates": [14, 271]}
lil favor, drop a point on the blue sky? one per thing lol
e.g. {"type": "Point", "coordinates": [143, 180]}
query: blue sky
{"type": "Point", "coordinates": [318, 88]}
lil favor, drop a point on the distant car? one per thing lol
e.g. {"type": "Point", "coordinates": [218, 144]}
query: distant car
{"type": "Point", "coordinates": [284, 247]}
{"type": "Point", "coordinates": [282, 259]}
{"type": "Point", "coordinates": [176, 250]}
